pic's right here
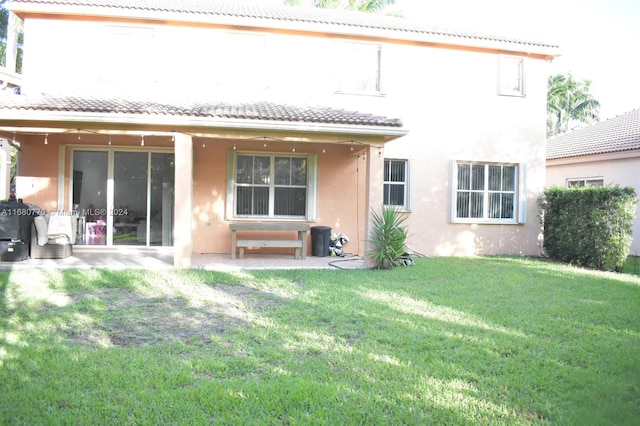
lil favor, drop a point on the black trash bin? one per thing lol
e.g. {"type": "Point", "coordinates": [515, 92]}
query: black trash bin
{"type": "Point", "coordinates": [320, 240]}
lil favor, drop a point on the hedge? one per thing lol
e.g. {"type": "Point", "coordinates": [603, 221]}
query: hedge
{"type": "Point", "coordinates": [588, 226]}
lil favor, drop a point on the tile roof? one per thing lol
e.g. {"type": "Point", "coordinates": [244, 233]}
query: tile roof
{"type": "Point", "coordinates": [621, 133]}
{"type": "Point", "coordinates": [331, 18]}
{"type": "Point", "coordinates": [194, 109]}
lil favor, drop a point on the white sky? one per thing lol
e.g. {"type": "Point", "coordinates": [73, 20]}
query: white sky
{"type": "Point", "coordinates": [599, 39]}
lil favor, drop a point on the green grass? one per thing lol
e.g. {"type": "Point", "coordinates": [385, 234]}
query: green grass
{"type": "Point", "coordinates": [447, 341]}
{"type": "Point", "coordinates": [632, 265]}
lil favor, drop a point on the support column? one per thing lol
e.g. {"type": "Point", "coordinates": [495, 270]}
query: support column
{"type": "Point", "coordinates": [375, 192]}
{"type": "Point", "coordinates": [183, 206]}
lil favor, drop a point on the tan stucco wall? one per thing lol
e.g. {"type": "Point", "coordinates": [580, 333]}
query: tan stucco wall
{"type": "Point", "coordinates": [614, 171]}
{"type": "Point", "coordinates": [458, 116]}
{"type": "Point", "coordinates": [37, 182]}
{"type": "Point", "coordinates": [341, 191]}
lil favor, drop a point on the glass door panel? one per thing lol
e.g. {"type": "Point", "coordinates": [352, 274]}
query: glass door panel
{"type": "Point", "coordinates": [129, 213]}
{"type": "Point", "coordinates": [160, 226]}
{"type": "Point", "coordinates": [90, 170]}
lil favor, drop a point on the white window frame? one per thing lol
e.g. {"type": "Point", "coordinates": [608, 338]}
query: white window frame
{"type": "Point", "coordinates": [582, 182]}
{"type": "Point", "coordinates": [353, 61]}
{"type": "Point", "coordinates": [406, 204]}
{"type": "Point", "coordinates": [312, 187]}
{"type": "Point", "coordinates": [511, 76]}
{"type": "Point", "coordinates": [520, 200]}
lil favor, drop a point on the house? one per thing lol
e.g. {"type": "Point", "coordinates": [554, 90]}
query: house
{"type": "Point", "coordinates": [162, 122]}
{"type": "Point", "coordinates": [605, 153]}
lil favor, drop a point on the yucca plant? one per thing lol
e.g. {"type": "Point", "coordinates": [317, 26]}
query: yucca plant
{"type": "Point", "coordinates": [387, 238]}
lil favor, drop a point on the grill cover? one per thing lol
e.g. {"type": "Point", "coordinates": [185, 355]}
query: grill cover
{"type": "Point", "coordinates": [15, 220]}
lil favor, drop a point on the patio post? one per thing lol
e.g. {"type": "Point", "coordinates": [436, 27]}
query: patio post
{"type": "Point", "coordinates": [374, 191]}
{"type": "Point", "coordinates": [183, 206]}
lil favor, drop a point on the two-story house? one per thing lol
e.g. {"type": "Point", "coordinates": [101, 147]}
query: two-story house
{"type": "Point", "coordinates": [161, 122]}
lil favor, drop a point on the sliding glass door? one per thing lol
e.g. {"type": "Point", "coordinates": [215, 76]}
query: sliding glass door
{"type": "Point", "coordinates": [90, 177]}
{"type": "Point", "coordinates": [130, 187]}
{"type": "Point", "coordinates": [124, 197]}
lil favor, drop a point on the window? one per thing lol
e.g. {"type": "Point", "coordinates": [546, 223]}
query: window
{"type": "Point", "coordinates": [128, 55]}
{"type": "Point", "coordinates": [396, 183]}
{"type": "Point", "coordinates": [511, 76]}
{"type": "Point", "coordinates": [487, 193]}
{"type": "Point", "coordinates": [359, 68]}
{"type": "Point", "coordinates": [273, 185]}
{"type": "Point", "coordinates": [578, 183]}
{"type": "Point", "coordinates": [244, 70]}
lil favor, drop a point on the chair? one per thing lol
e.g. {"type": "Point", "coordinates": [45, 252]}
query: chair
{"type": "Point", "coordinates": [52, 236]}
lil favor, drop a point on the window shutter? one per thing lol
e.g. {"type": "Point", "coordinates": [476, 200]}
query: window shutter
{"type": "Point", "coordinates": [312, 196]}
{"type": "Point", "coordinates": [409, 186]}
{"type": "Point", "coordinates": [231, 156]}
{"type": "Point", "coordinates": [522, 193]}
{"type": "Point", "coordinates": [453, 182]}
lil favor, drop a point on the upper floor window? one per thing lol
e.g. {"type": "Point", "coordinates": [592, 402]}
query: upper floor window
{"type": "Point", "coordinates": [359, 68]}
{"type": "Point", "coordinates": [244, 67]}
{"type": "Point", "coordinates": [511, 76]}
{"type": "Point", "coordinates": [396, 183]}
{"type": "Point", "coordinates": [128, 55]}
{"type": "Point", "coordinates": [487, 193]}
{"type": "Point", "coordinates": [579, 183]}
{"type": "Point", "coordinates": [272, 186]}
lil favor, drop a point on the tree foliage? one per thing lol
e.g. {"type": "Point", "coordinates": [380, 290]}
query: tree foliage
{"type": "Point", "coordinates": [4, 27]}
{"type": "Point", "coordinates": [569, 102]}
{"type": "Point", "coordinates": [359, 5]}
{"type": "Point", "coordinates": [589, 226]}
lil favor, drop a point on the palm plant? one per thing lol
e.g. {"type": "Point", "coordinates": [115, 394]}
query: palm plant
{"type": "Point", "coordinates": [568, 101]}
{"type": "Point", "coordinates": [387, 238]}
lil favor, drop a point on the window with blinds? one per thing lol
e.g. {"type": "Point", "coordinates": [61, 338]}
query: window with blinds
{"type": "Point", "coordinates": [485, 192]}
{"type": "Point", "coordinates": [271, 185]}
{"type": "Point", "coordinates": [396, 183]}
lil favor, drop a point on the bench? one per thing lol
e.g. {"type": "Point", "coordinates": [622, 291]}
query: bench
{"type": "Point", "coordinates": [299, 245]}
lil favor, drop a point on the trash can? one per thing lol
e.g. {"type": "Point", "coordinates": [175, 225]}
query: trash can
{"type": "Point", "coordinates": [320, 240]}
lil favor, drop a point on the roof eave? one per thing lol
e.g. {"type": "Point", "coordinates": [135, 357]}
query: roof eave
{"type": "Point", "coordinates": [594, 157]}
{"type": "Point", "coordinates": [470, 41]}
{"type": "Point", "coordinates": [202, 125]}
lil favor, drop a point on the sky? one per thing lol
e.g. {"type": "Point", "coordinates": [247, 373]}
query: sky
{"type": "Point", "coordinates": [599, 39]}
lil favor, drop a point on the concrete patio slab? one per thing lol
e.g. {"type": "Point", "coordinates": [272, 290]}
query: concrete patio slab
{"type": "Point", "coordinates": [162, 258]}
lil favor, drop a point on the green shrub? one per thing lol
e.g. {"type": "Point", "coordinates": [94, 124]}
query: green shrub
{"type": "Point", "coordinates": [589, 226]}
{"type": "Point", "coordinates": [387, 238]}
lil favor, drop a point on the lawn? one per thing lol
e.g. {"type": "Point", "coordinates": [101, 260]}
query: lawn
{"type": "Point", "coordinates": [447, 341]}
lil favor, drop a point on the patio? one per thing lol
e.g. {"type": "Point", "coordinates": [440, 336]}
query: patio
{"type": "Point", "coordinates": [137, 258]}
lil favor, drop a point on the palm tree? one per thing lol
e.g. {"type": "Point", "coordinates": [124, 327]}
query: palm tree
{"type": "Point", "coordinates": [360, 5]}
{"type": "Point", "coordinates": [568, 102]}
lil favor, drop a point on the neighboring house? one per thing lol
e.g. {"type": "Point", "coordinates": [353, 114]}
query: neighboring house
{"type": "Point", "coordinates": [176, 117]}
{"type": "Point", "coordinates": [606, 153]}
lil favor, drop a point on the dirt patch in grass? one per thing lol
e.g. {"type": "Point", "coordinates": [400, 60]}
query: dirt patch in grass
{"type": "Point", "coordinates": [124, 318]}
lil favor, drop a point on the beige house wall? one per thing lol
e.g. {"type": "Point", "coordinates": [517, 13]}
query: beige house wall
{"type": "Point", "coordinates": [447, 99]}
{"type": "Point", "coordinates": [615, 169]}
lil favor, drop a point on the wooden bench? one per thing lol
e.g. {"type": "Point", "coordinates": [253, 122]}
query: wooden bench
{"type": "Point", "coordinates": [300, 244]}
